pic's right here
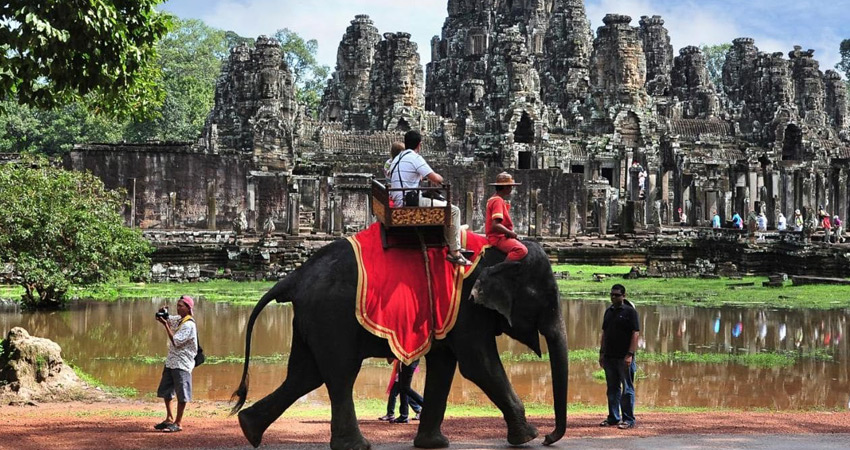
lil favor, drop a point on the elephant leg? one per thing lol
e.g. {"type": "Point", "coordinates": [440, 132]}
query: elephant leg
{"type": "Point", "coordinates": [302, 377]}
{"type": "Point", "coordinates": [479, 362]}
{"type": "Point", "coordinates": [345, 433]}
{"type": "Point", "coordinates": [438, 382]}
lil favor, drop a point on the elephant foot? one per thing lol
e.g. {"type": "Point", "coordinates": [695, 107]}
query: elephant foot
{"type": "Point", "coordinates": [350, 444]}
{"type": "Point", "coordinates": [428, 440]}
{"type": "Point", "coordinates": [251, 431]}
{"type": "Point", "coordinates": [521, 434]}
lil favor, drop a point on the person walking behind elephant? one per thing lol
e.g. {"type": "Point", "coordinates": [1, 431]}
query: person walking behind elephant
{"type": "Point", "coordinates": [617, 347]}
{"type": "Point", "coordinates": [499, 228]}
{"type": "Point", "coordinates": [394, 390]}
{"type": "Point", "coordinates": [177, 373]}
{"type": "Point", "coordinates": [407, 171]}
{"type": "Point", "coordinates": [405, 377]}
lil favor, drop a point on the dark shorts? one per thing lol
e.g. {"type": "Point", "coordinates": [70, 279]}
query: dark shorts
{"type": "Point", "coordinates": [175, 381]}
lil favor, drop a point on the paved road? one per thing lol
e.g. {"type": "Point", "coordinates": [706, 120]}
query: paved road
{"type": "Point", "coordinates": [698, 441]}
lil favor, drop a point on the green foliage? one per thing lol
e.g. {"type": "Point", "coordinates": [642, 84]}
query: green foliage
{"type": "Point", "coordinates": [698, 292]}
{"type": "Point", "coordinates": [57, 52]}
{"type": "Point", "coordinates": [844, 64]}
{"type": "Point", "coordinates": [24, 129]}
{"type": "Point", "coordinates": [60, 228]}
{"type": "Point", "coordinates": [309, 76]}
{"type": "Point", "coordinates": [715, 56]}
{"type": "Point", "coordinates": [190, 58]}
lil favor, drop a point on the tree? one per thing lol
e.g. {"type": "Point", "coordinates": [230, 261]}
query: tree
{"type": "Point", "coordinates": [60, 229]}
{"type": "Point", "coordinates": [715, 57]}
{"type": "Point", "coordinates": [844, 64]}
{"type": "Point", "coordinates": [56, 52]}
{"type": "Point", "coordinates": [30, 130]}
{"type": "Point", "coordinates": [309, 77]}
{"type": "Point", "coordinates": [189, 58]}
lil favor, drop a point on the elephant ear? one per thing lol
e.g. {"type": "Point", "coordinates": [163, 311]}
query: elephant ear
{"type": "Point", "coordinates": [494, 288]}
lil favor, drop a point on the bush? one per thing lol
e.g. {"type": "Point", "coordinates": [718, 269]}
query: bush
{"type": "Point", "coordinates": [61, 229]}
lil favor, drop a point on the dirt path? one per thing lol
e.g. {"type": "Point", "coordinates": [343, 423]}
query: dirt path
{"type": "Point", "coordinates": [128, 425]}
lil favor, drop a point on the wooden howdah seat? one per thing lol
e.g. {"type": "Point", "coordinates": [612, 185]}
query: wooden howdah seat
{"type": "Point", "coordinates": [403, 226]}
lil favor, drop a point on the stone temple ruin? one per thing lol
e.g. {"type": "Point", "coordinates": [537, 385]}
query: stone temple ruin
{"type": "Point", "coordinates": [607, 131]}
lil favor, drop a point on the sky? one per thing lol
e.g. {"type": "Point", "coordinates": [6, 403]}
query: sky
{"type": "Point", "coordinates": [776, 25]}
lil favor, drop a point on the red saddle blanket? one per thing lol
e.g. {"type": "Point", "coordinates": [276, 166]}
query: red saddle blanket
{"type": "Point", "coordinates": [392, 291]}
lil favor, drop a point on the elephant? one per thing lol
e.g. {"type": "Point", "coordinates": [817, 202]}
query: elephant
{"type": "Point", "coordinates": [518, 298]}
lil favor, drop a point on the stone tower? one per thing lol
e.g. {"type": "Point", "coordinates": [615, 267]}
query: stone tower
{"type": "Point", "coordinates": [255, 108]}
{"type": "Point", "coordinates": [346, 98]}
{"type": "Point", "coordinates": [659, 55]}
{"type": "Point", "coordinates": [396, 83]}
{"type": "Point", "coordinates": [836, 99]}
{"type": "Point", "coordinates": [692, 85]}
{"type": "Point", "coordinates": [618, 64]}
{"type": "Point", "coordinates": [565, 66]}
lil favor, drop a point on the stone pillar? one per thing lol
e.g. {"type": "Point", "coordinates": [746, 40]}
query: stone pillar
{"type": "Point", "coordinates": [753, 187]}
{"type": "Point", "coordinates": [211, 207]}
{"type": "Point", "coordinates": [841, 207]}
{"type": "Point", "coordinates": [665, 195]}
{"type": "Point", "coordinates": [538, 220]}
{"type": "Point", "coordinates": [573, 225]}
{"type": "Point", "coordinates": [294, 213]}
{"type": "Point", "coordinates": [710, 203]}
{"type": "Point", "coordinates": [603, 216]}
{"type": "Point", "coordinates": [317, 207]}
{"type": "Point", "coordinates": [532, 207]}
{"type": "Point", "coordinates": [337, 216]}
{"type": "Point", "coordinates": [469, 209]}
{"type": "Point", "coordinates": [627, 176]}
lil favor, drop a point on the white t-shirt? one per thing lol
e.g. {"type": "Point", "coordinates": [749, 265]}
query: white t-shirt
{"type": "Point", "coordinates": [406, 171]}
{"type": "Point", "coordinates": [181, 353]}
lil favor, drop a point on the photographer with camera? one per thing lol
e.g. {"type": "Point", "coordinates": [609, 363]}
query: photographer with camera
{"type": "Point", "coordinates": [177, 373]}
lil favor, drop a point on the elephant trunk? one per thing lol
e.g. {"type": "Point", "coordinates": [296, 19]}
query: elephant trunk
{"type": "Point", "coordinates": [241, 392]}
{"type": "Point", "coordinates": [556, 340]}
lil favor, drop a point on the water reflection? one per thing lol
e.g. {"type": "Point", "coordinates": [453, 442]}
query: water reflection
{"type": "Point", "coordinates": [101, 337]}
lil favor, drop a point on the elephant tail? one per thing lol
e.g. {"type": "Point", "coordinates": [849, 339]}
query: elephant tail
{"type": "Point", "coordinates": [275, 293]}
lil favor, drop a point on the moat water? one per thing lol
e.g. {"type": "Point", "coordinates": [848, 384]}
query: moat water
{"type": "Point", "coordinates": [102, 338]}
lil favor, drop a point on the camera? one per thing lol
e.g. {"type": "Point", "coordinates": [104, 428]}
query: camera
{"type": "Point", "coordinates": [163, 312]}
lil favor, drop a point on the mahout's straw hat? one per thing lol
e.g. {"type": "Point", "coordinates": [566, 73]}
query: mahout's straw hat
{"type": "Point", "coordinates": [505, 179]}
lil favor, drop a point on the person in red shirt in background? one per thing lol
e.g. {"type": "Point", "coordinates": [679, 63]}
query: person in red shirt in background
{"type": "Point", "coordinates": [498, 226]}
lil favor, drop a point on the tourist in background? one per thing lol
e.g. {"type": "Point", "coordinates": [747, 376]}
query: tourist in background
{"type": "Point", "coordinates": [715, 220]}
{"type": "Point", "coordinates": [781, 222]}
{"type": "Point", "coordinates": [761, 223]}
{"type": "Point", "coordinates": [838, 226]}
{"type": "Point", "coordinates": [826, 223]}
{"type": "Point", "coordinates": [617, 347]}
{"type": "Point", "coordinates": [737, 222]}
{"type": "Point", "coordinates": [798, 220]}
{"type": "Point", "coordinates": [683, 218]}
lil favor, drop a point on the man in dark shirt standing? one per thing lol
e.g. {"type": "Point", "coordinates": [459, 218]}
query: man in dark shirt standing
{"type": "Point", "coordinates": [620, 332]}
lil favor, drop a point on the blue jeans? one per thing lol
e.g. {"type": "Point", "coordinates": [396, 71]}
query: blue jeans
{"type": "Point", "coordinates": [621, 389]}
